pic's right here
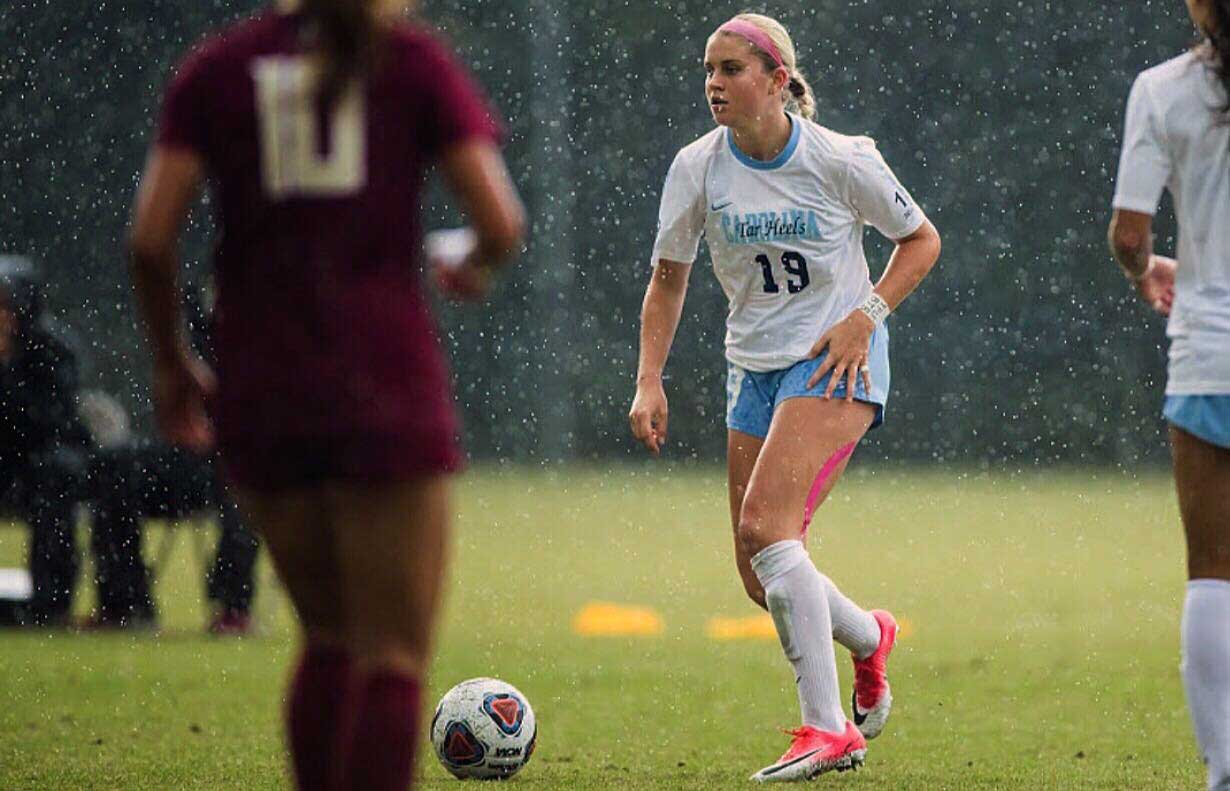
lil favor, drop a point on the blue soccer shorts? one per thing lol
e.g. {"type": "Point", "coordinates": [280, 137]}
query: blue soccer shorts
{"type": "Point", "coordinates": [1204, 416]}
{"type": "Point", "coordinates": [752, 396]}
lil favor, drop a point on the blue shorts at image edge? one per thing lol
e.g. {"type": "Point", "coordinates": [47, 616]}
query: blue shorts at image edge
{"type": "Point", "coordinates": [1204, 416]}
{"type": "Point", "coordinates": [752, 397]}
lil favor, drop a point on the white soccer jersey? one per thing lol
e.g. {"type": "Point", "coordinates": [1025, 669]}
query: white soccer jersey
{"type": "Point", "coordinates": [786, 236]}
{"type": "Point", "coordinates": [1175, 138]}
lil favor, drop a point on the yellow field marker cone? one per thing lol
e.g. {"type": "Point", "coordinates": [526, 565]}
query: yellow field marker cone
{"type": "Point", "coordinates": [752, 627]}
{"type": "Point", "coordinates": [604, 619]}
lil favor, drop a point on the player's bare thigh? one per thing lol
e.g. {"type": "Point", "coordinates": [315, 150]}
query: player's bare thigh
{"type": "Point", "coordinates": [1202, 480]}
{"type": "Point", "coordinates": [392, 545]}
{"type": "Point", "coordinates": [804, 434]}
{"type": "Point", "coordinates": [296, 527]}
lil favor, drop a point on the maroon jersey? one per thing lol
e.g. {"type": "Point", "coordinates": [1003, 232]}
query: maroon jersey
{"type": "Point", "coordinates": [322, 330]}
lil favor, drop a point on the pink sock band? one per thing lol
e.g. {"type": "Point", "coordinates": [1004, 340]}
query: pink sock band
{"type": "Point", "coordinates": [822, 478]}
{"type": "Point", "coordinates": [759, 39]}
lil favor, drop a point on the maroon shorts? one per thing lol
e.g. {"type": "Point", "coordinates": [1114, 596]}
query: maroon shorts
{"type": "Point", "coordinates": [285, 463]}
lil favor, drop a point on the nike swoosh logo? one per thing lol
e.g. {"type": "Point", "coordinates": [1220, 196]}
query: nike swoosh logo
{"type": "Point", "coordinates": [719, 206]}
{"type": "Point", "coordinates": [780, 767]}
{"type": "Point", "coordinates": [859, 719]}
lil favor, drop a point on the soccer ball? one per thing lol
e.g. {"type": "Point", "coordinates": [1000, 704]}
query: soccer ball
{"type": "Point", "coordinates": [483, 729]}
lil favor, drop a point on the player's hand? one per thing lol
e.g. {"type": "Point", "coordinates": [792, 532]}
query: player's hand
{"type": "Point", "coordinates": [464, 283]}
{"type": "Point", "coordinates": [182, 388]}
{"type": "Point", "coordinates": [1156, 286]}
{"type": "Point", "coordinates": [648, 415]}
{"type": "Point", "coordinates": [848, 343]}
{"type": "Point", "coordinates": [452, 255]}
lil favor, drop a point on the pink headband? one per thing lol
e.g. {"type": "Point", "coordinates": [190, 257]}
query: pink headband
{"type": "Point", "coordinates": [758, 38]}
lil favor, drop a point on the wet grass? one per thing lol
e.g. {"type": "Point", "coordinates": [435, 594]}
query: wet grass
{"type": "Point", "coordinates": [1041, 648]}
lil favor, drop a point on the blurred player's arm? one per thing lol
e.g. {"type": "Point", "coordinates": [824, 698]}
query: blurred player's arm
{"type": "Point", "coordinates": [168, 188]}
{"type": "Point", "coordinates": [476, 171]}
{"type": "Point", "coordinates": [182, 382]}
{"type": "Point", "coordinates": [660, 314]}
{"type": "Point", "coordinates": [1131, 242]}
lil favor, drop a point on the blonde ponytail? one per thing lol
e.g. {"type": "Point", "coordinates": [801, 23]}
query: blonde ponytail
{"type": "Point", "coordinates": [801, 99]}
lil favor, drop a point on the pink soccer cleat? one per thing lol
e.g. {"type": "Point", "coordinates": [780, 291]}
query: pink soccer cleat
{"type": "Point", "coordinates": [872, 698]}
{"type": "Point", "coordinates": [814, 752]}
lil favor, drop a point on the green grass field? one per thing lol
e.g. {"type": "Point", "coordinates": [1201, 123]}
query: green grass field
{"type": "Point", "coordinates": [1041, 653]}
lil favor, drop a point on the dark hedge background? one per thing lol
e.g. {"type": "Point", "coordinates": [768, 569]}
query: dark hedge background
{"type": "Point", "coordinates": [1023, 347]}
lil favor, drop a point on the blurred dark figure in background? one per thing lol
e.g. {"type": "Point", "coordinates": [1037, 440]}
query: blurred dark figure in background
{"type": "Point", "coordinates": [133, 480]}
{"type": "Point", "coordinates": [43, 444]}
{"type": "Point", "coordinates": [147, 479]}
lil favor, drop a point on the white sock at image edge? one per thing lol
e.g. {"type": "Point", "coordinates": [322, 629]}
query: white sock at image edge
{"type": "Point", "coordinates": [1205, 666]}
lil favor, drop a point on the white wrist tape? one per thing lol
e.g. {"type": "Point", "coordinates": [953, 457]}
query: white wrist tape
{"type": "Point", "coordinates": [875, 307]}
{"type": "Point", "coordinates": [450, 248]}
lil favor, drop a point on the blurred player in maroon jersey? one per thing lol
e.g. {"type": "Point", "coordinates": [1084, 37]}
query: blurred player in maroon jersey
{"type": "Point", "coordinates": [314, 123]}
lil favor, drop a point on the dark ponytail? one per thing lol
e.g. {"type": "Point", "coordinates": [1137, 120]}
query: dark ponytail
{"type": "Point", "coordinates": [1216, 48]}
{"type": "Point", "coordinates": [346, 38]}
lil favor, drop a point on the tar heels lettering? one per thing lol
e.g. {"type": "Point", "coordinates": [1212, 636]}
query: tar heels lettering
{"type": "Point", "coordinates": [789, 224]}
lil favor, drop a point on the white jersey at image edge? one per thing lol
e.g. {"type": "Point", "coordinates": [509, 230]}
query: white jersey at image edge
{"type": "Point", "coordinates": [786, 236]}
{"type": "Point", "coordinates": [1175, 139]}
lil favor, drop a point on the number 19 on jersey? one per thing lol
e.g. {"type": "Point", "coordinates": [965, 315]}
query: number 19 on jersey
{"type": "Point", "coordinates": [795, 265]}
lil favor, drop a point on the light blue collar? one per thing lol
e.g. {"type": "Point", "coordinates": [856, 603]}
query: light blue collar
{"type": "Point", "coordinates": [776, 162]}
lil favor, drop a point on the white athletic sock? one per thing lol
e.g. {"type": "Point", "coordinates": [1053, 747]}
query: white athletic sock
{"type": "Point", "coordinates": [796, 597]}
{"type": "Point", "coordinates": [1206, 673]}
{"type": "Point", "coordinates": [853, 626]}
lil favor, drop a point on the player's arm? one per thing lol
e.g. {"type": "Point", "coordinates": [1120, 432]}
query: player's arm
{"type": "Point", "coordinates": [168, 187]}
{"type": "Point", "coordinates": [475, 169]}
{"type": "Point", "coordinates": [1144, 169]}
{"type": "Point", "coordinates": [660, 312]}
{"type": "Point", "coordinates": [876, 196]}
{"type": "Point", "coordinates": [849, 340]}
{"type": "Point", "coordinates": [912, 258]}
{"type": "Point", "coordinates": [1131, 242]}
{"type": "Point", "coordinates": [681, 217]}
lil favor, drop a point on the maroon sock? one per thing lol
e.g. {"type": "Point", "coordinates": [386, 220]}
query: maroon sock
{"type": "Point", "coordinates": [384, 732]}
{"type": "Point", "coordinates": [314, 714]}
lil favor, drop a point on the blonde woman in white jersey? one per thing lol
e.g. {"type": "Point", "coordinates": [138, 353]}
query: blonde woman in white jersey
{"type": "Point", "coordinates": [782, 203]}
{"type": "Point", "coordinates": [1177, 137]}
